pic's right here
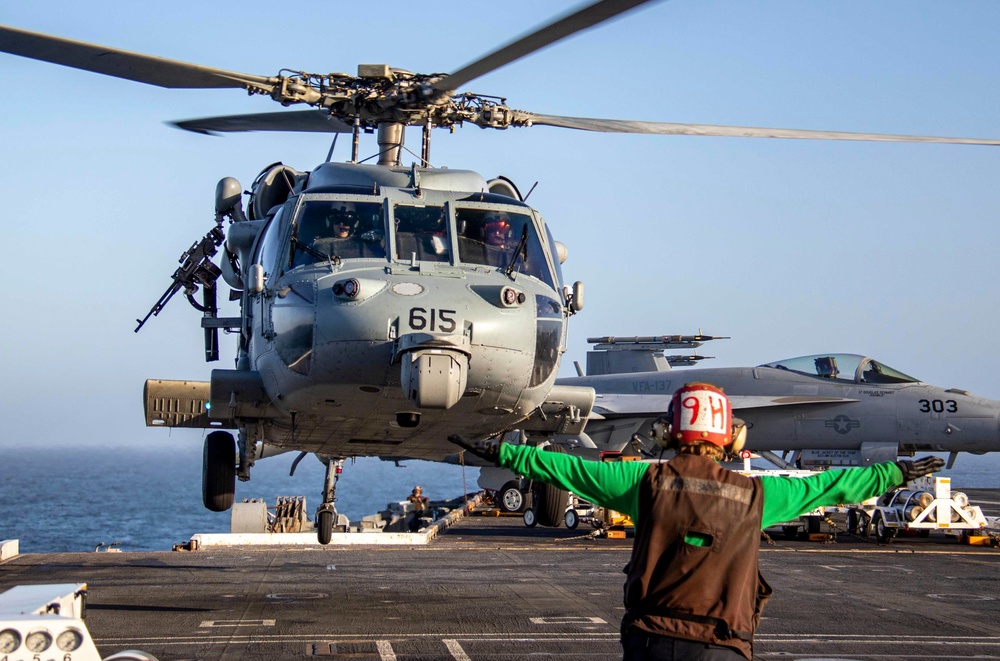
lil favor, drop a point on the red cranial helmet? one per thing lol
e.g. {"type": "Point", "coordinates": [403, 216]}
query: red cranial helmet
{"type": "Point", "coordinates": [700, 412]}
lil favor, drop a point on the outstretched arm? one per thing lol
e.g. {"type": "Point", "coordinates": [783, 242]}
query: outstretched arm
{"type": "Point", "coordinates": [786, 498]}
{"type": "Point", "coordinates": [609, 484]}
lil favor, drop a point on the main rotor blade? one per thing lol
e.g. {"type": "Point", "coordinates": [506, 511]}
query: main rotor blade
{"type": "Point", "coordinates": [311, 121]}
{"type": "Point", "coordinates": [585, 18]}
{"type": "Point", "coordinates": [123, 64]}
{"type": "Point", "coordinates": [667, 128]}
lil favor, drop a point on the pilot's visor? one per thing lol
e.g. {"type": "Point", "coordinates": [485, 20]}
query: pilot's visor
{"type": "Point", "coordinates": [497, 225]}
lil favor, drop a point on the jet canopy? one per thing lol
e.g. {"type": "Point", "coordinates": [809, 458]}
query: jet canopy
{"type": "Point", "coordinates": [843, 367]}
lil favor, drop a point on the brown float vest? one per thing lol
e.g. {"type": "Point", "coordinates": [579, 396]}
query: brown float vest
{"type": "Point", "coordinates": [710, 593]}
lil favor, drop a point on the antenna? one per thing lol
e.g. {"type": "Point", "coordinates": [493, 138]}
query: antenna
{"type": "Point", "coordinates": [329, 156]}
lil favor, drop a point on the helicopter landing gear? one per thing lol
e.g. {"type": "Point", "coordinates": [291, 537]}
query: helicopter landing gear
{"type": "Point", "coordinates": [218, 471]}
{"type": "Point", "coordinates": [246, 456]}
{"type": "Point", "coordinates": [551, 501]}
{"type": "Point", "coordinates": [326, 513]}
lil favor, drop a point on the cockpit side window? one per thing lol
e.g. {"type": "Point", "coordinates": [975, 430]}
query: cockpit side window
{"type": "Point", "coordinates": [502, 239]}
{"type": "Point", "coordinates": [328, 229]}
{"type": "Point", "coordinates": [555, 258]}
{"type": "Point", "coordinates": [422, 232]}
{"type": "Point", "coordinates": [270, 243]}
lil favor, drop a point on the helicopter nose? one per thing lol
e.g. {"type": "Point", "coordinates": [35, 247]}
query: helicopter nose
{"type": "Point", "coordinates": [434, 370]}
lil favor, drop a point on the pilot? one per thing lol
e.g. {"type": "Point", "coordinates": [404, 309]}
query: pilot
{"type": "Point", "coordinates": [826, 367]}
{"type": "Point", "coordinates": [496, 227]}
{"type": "Point", "coordinates": [347, 238]}
{"type": "Point", "coordinates": [342, 220]}
{"type": "Point", "coordinates": [692, 589]}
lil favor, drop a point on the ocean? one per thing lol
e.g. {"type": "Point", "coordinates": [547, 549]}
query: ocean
{"type": "Point", "coordinates": [58, 499]}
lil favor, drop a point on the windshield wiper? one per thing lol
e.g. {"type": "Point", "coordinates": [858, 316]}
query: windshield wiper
{"type": "Point", "coordinates": [312, 252]}
{"type": "Point", "coordinates": [521, 251]}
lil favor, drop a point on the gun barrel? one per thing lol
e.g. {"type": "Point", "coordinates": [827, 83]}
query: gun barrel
{"type": "Point", "coordinates": [160, 303]}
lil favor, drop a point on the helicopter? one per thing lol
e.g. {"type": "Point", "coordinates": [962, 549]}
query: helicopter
{"type": "Point", "coordinates": [326, 364]}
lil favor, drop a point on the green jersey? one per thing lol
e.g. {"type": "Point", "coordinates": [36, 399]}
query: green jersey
{"type": "Point", "coordinates": [615, 485]}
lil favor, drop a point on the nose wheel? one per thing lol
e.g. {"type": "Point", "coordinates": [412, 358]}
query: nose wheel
{"type": "Point", "coordinates": [326, 513]}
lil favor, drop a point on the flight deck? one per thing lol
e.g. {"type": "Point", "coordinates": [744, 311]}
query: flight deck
{"type": "Point", "coordinates": [490, 588]}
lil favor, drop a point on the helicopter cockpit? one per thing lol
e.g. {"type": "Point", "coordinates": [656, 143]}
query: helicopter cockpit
{"type": "Point", "coordinates": [421, 233]}
{"type": "Point", "coordinates": [844, 367]}
{"type": "Point", "coordinates": [470, 233]}
{"type": "Point", "coordinates": [329, 229]}
{"type": "Point", "coordinates": [500, 238]}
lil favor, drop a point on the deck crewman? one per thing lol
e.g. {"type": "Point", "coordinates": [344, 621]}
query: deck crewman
{"type": "Point", "coordinates": [693, 590]}
{"type": "Point", "coordinates": [419, 502]}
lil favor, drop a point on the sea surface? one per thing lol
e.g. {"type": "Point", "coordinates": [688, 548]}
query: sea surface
{"type": "Point", "coordinates": [149, 498]}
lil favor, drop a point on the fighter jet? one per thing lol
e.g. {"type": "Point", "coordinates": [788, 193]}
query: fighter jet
{"type": "Point", "coordinates": [830, 409]}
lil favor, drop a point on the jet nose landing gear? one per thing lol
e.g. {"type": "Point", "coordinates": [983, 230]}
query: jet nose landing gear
{"type": "Point", "coordinates": [326, 513]}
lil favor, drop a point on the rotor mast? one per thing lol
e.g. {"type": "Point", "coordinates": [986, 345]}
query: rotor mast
{"type": "Point", "coordinates": [390, 143]}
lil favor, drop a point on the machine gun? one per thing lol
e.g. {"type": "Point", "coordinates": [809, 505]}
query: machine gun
{"type": "Point", "coordinates": [196, 269]}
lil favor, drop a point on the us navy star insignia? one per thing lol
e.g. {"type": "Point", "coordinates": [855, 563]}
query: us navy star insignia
{"type": "Point", "coordinates": [842, 424]}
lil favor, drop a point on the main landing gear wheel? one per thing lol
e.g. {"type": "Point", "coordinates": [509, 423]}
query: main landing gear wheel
{"type": "Point", "coordinates": [551, 502]}
{"type": "Point", "coordinates": [218, 471]}
{"type": "Point", "coordinates": [510, 498]}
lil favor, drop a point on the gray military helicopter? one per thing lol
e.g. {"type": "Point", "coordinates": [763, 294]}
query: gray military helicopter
{"type": "Point", "coordinates": [383, 307]}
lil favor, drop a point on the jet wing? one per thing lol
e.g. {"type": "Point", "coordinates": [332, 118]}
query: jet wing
{"type": "Point", "coordinates": [652, 405]}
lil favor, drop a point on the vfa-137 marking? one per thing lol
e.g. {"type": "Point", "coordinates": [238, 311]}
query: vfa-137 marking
{"type": "Point", "coordinates": [383, 307]}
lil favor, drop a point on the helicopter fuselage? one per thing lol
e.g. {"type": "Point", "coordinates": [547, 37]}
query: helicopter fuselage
{"type": "Point", "coordinates": [384, 319]}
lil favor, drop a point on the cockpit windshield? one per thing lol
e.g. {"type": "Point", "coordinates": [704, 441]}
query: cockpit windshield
{"type": "Point", "coordinates": [421, 232]}
{"type": "Point", "coordinates": [843, 367]}
{"type": "Point", "coordinates": [329, 229]}
{"type": "Point", "coordinates": [500, 238]}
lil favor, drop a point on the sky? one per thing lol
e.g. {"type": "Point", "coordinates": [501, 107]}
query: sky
{"type": "Point", "coordinates": [789, 247]}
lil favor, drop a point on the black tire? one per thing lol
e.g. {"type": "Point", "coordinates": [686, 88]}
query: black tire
{"type": "Point", "coordinates": [510, 498]}
{"type": "Point", "coordinates": [864, 524]}
{"type": "Point", "coordinates": [571, 519]}
{"type": "Point", "coordinates": [883, 533]}
{"type": "Point", "coordinates": [853, 522]}
{"type": "Point", "coordinates": [858, 523]}
{"type": "Point", "coordinates": [551, 501]}
{"type": "Point", "coordinates": [529, 518]}
{"type": "Point", "coordinates": [324, 526]}
{"type": "Point", "coordinates": [218, 471]}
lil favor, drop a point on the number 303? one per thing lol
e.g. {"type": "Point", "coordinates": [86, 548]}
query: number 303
{"type": "Point", "coordinates": [938, 406]}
